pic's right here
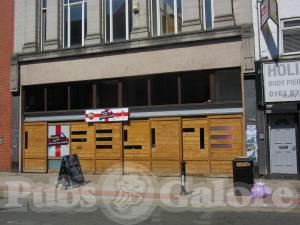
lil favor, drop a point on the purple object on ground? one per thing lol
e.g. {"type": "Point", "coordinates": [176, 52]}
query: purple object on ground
{"type": "Point", "coordinates": [260, 190]}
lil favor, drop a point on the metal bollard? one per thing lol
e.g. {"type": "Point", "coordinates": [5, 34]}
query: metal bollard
{"type": "Point", "coordinates": [183, 179]}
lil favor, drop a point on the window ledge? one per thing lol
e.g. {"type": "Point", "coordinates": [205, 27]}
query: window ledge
{"type": "Point", "coordinates": [233, 33]}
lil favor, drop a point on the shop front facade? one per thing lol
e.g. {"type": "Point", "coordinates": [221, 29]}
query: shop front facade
{"type": "Point", "coordinates": [179, 81]}
{"type": "Point", "coordinates": [278, 86]}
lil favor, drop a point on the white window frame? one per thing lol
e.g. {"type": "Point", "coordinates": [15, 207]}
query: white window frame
{"type": "Point", "coordinates": [281, 34]}
{"type": "Point", "coordinates": [69, 5]}
{"type": "Point", "coordinates": [111, 24]}
{"type": "Point", "coordinates": [204, 14]}
{"type": "Point", "coordinates": [158, 16]}
{"type": "Point", "coordinates": [43, 24]}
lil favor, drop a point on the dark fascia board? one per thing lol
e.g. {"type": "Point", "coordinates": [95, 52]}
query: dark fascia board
{"type": "Point", "coordinates": [151, 43]}
{"type": "Point", "coordinates": [137, 109]}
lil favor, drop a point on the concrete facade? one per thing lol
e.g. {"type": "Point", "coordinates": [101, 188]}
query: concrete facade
{"type": "Point", "coordinates": [6, 50]}
{"type": "Point", "coordinates": [230, 44]}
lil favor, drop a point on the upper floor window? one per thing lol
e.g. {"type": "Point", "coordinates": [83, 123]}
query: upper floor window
{"type": "Point", "coordinates": [43, 23]}
{"type": "Point", "coordinates": [291, 36]}
{"type": "Point", "coordinates": [75, 22]}
{"type": "Point", "coordinates": [166, 16]}
{"type": "Point", "coordinates": [208, 14]}
{"type": "Point", "coordinates": [118, 16]}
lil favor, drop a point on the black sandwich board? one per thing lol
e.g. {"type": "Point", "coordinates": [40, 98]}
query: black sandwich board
{"type": "Point", "coordinates": [70, 173]}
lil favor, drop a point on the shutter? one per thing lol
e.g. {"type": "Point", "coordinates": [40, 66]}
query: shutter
{"type": "Point", "coordinates": [291, 40]}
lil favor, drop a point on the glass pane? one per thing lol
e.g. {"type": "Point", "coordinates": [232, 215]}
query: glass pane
{"type": "Point", "coordinates": [66, 1]}
{"type": "Point", "coordinates": [44, 26]}
{"type": "Point", "coordinates": [292, 23]}
{"type": "Point", "coordinates": [130, 15]}
{"type": "Point", "coordinates": [107, 17]}
{"type": "Point", "coordinates": [72, 1]}
{"type": "Point", "coordinates": [208, 14]}
{"type": "Point", "coordinates": [57, 97]}
{"type": "Point", "coordinates": [34, 99]}
{"type": "Point", "coordinates": [228, 85]}
{"type": "Point", "coordinates": [119, 20]}
{"type": "Point", "coordinates": [167, 16]}
{"type": "Point", "coordinates": [76, 25]}
{"type": "Point", "coordinates": [44, 4]}
{"type": "Point", "coordinates": [135, 92]}
{"type": "Point", "coordinates": [66, 27]}
{"type": "Point", "coordinates": [164, 90]}
{"type": "Point", "coordinates": [81, 96]}
{"type": "Point", "coordinates": [195, 87]}
{"type": "Point", "coordinates": [154, 17]}
{"type": "Point", "coordinates": [107, 94]}
{"type": "Point", "coordinates": [179, 15]}
{"type": "Point", "coordinates": [291, 40]}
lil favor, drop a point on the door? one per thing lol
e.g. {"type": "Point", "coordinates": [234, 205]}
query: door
{"type": "Point", "coordinates": [165, 144]}
{"type": "Point", "coordinates": [35, 147]}
{"type": "Point", "coordinates": [283, 151]}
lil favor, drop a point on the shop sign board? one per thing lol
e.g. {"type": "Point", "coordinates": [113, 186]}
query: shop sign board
{"type": "Point", "coordinates": [107, 115]}
{"type": "Point", "coordinates": [58, 140]}
{"type": "Point", "coordinates": [282, 81]}
{"type": "Point", "coordinates": [268, 10]}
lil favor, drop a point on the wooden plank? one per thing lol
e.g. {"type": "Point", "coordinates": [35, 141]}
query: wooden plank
{"type": "Point", "coordinates": [221, 167]}
{"type": "Point", "coordinates": [166, 167]}
{"type": "Point", "coordinates": [84, 149]}
{"type": "Point", "coordinates": [191, 140]}
{"type": "Point", "coordinates": [104, 166]}
{"type": "Point", "coordinates": [87, 165]}
{"type": "Point", "coordinates": [113, 149]}
{"type": "Point", "coordinates": [37, 165]}
{"type": "Point", "coordinates": [197, 167]}
{"type": "Point", "coordinates": [137, 166]}
{"type": "Point", "coordinates": [167, 135]}
{"type": "Point", "coordinates": [35, 147]}
{"type": "Point", "coordinates": [138, 134]}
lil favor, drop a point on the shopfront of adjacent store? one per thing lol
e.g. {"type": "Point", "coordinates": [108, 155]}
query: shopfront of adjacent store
{"type": "Point", "coordinates": [282, 96]}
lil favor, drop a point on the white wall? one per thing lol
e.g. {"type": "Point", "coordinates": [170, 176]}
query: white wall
{"type": "Point", "coordinates": [270, 42]}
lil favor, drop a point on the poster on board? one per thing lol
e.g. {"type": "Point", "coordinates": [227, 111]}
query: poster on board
{"type": "Point", "coordinates": [251, 144]}
{"type": "Point", "coordinates": [107, 115]}
{"type": "Point", "coordinates": [58, 140]}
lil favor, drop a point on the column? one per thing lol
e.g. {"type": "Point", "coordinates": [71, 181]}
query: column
{"type": "Point", "coordinates": [223, 13]}
{"type": "Point", "coordinates": [139, 20]}
{"type": "Point", "coordinates": [191, 10]}
{"type": "Point", "coordinates": [52, 40]}
{"type": "Point", "coordinates": [94, 7]}
{"type": "Point", "coordinates": [30, 26]}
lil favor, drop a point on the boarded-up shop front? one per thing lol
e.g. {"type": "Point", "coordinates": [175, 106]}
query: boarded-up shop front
{"type": "Point", "coordinates": [151, 146]}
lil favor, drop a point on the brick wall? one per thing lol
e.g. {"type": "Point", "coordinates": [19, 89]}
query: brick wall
{"type": "Point", "coordinates": [6, 49]}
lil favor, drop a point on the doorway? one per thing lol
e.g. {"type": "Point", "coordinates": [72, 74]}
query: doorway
{"type": "Point", "coordinates": [283, 146]}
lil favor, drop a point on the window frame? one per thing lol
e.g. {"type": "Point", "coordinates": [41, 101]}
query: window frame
{"type": "Point", "coordinates": [68, 5]}
{"type": "Point", "coordinates": [282, 29]}
{"type": "Point", "coordinates": [111, 24]}
{"type": "Point", "coordinates": [43, 24]}
{"type": "Point", "coordinates": [158, 22]}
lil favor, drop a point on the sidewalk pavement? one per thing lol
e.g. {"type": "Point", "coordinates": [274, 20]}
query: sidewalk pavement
{"type": "Point", "coordinates": [204, 192]}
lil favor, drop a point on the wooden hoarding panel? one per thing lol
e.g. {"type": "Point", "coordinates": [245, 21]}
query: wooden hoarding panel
{"type": "Point", "coordinates": [196, 145]}
{"type": "Point", "coordinates": [83, 144]}
{"type": "Point", "coordinates": [166, 145]}
{"type": "Point", "coordinates": [35, 147]}
{"type": "Point", "coordinates": [226, 142]}
{"type": "Point", "coordinates": [136, 146]}
{"type": "Point", "coordinates": [108, 147]}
